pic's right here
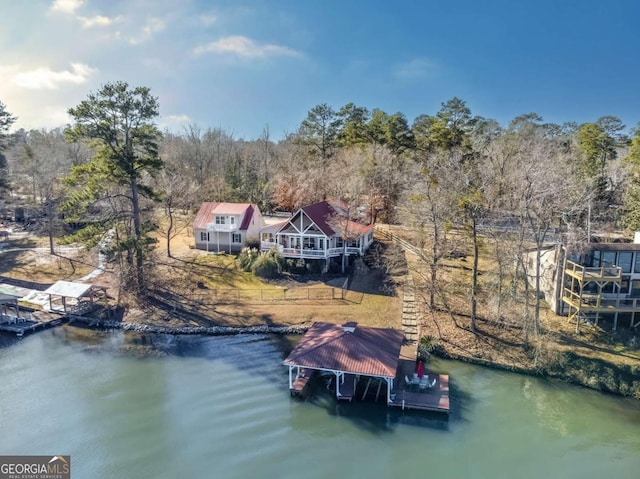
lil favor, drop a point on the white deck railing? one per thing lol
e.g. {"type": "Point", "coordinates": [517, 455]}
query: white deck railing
{"type": "Point", "coordinates": [221, 228]}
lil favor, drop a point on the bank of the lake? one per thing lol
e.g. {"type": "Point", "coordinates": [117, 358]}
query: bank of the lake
{"type": "Point", "coordinates": [593, 373]}
{"type": "Point", "coordinates": [132, 405]}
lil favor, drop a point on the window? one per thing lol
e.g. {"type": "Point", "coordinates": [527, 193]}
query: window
{"type": "Point", "coordinates": [624, 285]}
{"type": "Point", "coordinates": [636, 268]}
{"type": "Point", "coordinates": [339, 243]}
{"type": "Point", "coordinates": [624, 261]}
{"type": "Point", "coordinates": [321, 243]}
{"type": "Point", "coordinates": [232, 220]}
{"type": "Point", "coordinates": [221, 220]}
{"type": "Point", "coordinates": [309, 243]}
{"type": "Point", "coordinates": [608, 258]}
{"type": "Point", "coordinates": [236, 238]}
{"type": "Point", "coordinates": [635, 289]}
{"type": "Point", "coordinates": [204, 236]}
{"type": "Point", "coordinates": [595, 261]}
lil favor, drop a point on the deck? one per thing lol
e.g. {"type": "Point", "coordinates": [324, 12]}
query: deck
{"type": "Point", "coordinates": [35, 320]}
{"type": "Point", "coordinates": [435, 398]}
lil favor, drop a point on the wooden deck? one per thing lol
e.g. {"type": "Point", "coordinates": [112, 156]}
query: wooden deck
{"type": "Point", "coordinates": [435, 398]}
{"type": "Point", "coordinates": [36, 320]}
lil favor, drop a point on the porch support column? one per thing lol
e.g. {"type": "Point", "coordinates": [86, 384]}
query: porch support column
{"type": "Point", "coordinates": [389, 388]}
{"type": "Point", "coordinates": [339, 378]}
{"type": "Point", "coordinates": [290, 377]}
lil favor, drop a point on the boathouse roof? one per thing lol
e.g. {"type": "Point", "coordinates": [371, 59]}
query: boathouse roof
{"type": "Point", "coordinates": [69, 289]}
{"type": "Point", "coordinates": [348, 348]}
{"type": "Point", "coordinates": [8, 298]}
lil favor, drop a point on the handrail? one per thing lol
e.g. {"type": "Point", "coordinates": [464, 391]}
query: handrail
{"type": "Point", "coordinates": [613, 272]}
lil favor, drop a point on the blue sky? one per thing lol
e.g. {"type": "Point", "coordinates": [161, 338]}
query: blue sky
{"type": "Point", "coordinates": [241, 65]}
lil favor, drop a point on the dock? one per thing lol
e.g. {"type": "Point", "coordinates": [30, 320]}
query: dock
{"type": "Point", "coordinates": [357, 358]}
{"type": "Point", "coordinates": [31, 322]}
{"type": "Point", "coordinates": [435, 398]}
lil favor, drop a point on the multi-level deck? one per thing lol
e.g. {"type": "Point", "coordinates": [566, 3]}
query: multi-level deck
{"type": "Point", "coordinates": [583, 293]}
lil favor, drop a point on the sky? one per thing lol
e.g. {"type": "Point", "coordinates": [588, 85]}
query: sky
{"type": "Point", "coordinates": [246, 65]}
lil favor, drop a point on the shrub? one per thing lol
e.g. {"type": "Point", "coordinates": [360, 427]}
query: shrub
{"type": "Point", "coordinates": [314, 266]}
{"type": "Point", "coordinates": [268, 265]}
{"type": "Point", "coordinates": [247, 258]}
{"type": "Point", "coordinates": [252, 243]}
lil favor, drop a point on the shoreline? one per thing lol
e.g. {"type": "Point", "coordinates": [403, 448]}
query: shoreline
{"type": "Point", "coordinates": [585, 372]}
{"type": "Point", "coordinates": [589, 373]}
{"type": "Point", "coordinates": [197, 330]}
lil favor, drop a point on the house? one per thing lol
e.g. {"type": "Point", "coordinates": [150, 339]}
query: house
{"type": "Point", "coordinates": [226, 226]}
{"type": "Point", "coordinates": [320, 231]}
{"type": "Point", "coordinates": [599, 281]}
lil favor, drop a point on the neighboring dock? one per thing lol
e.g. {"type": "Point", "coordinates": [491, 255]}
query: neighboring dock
{"type": "Point", "coordinates": [29, 322]}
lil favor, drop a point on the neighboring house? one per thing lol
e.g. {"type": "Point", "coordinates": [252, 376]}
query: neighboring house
{"type": "Point", "coordinates": [320, 231]}
{"type": "Point", "coordinates": [602, 282]}
{"type": "Point", "coordinates": [226, 226]}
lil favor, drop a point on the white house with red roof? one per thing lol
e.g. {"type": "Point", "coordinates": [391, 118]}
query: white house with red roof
{"type": "Point", "coordinates": [226, 226]}
{"type": "Point", "coordinates": [319, 231]}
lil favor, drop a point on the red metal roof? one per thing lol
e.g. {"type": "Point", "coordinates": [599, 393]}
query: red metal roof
{"type": "Point", "coordinates": [208, 210]}
{"type": "Point", "coordinates": [320, 213]}
{"type": "Point", "coordinates": [367, 351]}
{"type": "Point", "coordinates": [204, 216]}
{"type": "Point", "coordinates": [330, 221]}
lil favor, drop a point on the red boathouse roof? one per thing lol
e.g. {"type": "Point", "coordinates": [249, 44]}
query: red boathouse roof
{"type": "Point", "coordinates": [349, 348]}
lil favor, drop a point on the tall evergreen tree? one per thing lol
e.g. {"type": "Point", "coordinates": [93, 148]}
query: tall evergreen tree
{"type": "Point", "coordinates": [119, 120]}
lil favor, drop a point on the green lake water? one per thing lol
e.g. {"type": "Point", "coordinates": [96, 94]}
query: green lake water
{"type": "Point", "coordinates": [132, 406]}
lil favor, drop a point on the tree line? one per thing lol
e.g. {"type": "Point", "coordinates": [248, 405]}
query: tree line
{"type": "Point", "coordinates": [524, 183]}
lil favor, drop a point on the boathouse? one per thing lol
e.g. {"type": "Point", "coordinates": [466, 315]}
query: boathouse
{"type": "Point", "coordinates": [348, 351]}
{"type": "Point", "coordinates": [74, 297]}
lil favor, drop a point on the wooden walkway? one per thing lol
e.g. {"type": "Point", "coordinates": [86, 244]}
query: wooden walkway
{"type": "Point", "coordinates": [36, 320]}
{"type": "Point", "coordinates": [435, 398]}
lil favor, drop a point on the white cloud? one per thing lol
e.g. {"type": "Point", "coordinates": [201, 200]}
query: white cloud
{"type": "Point", "coordinates": [98, 20]}
{"type": "Point", "coordinates": [44, 78]}
{"type": "Point", "coordinates": [66, 6]}
{"type": "Point", "coordinates": [245, 47]}
{"type": "Point", "coordinates": [416, 68]}
{"type": "Point", "coordinates": [208, 19]}
{"type": "Point", "coordinates": [153, 26]}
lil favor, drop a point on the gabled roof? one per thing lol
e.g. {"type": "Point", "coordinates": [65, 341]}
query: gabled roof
{"type": "Point", "coordinates": [320, 213]}
{"type": "Point", "coordinates": [330, 221]}
{"type": "Point", "coordinates": [349, 348]}
{"type": "Point", "coordinates": [209, 210]}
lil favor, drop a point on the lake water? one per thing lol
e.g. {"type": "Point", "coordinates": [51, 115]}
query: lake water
{"type": "Point", "coordinates": [131, 406]}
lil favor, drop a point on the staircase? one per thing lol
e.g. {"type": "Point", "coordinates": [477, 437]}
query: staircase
{"type": "Point", "coordinates": [410, 311]}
